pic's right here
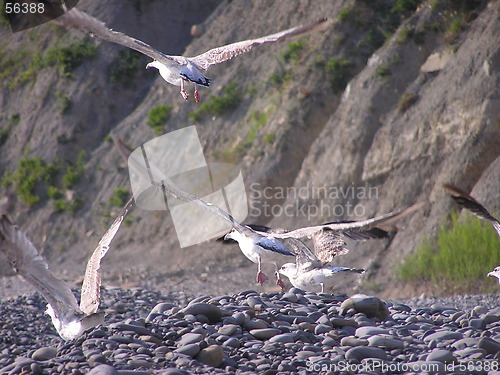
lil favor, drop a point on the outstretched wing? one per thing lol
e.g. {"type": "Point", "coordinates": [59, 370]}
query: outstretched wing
{"type": "Point", "coordinates": [79, 20]}
{"type": "Point", "coordinates": [27, 262]}
{"type": "Point", "coordinates": [469, 203]}
{"type": "Point", "coordinates": [363, 225]}
{"type": "Point", "coordinates": [91, 288]}
{"type": "Point", "coordinates": [328, 244]}
{"type": "Point", "coordinates": [224, 53]}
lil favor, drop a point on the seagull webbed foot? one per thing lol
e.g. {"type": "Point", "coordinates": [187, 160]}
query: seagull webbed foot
{"type": "Point", "coordinates": [261, 277]}
{"type": "Point", "coordinates": [184, 94]}
{"type": "Point", "coordinates": [196, 96]}
{"type": "Point", "coordinates": [280, 283]}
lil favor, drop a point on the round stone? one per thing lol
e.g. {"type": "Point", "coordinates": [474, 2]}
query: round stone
{"type": "Point", "coordinates": [44, 353]}
{"type": "Point", "coordinates": [211, 356]}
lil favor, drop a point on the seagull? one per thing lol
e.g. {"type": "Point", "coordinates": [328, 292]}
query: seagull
{"type": "Point", "coordinates": [69, 318]}
{"type": "Point", "coordinates": [308, 278]}
{"type": "Point", "coordinates": [495, 273]}
{"type": "Point", "coordinates": [309, 271]}
{"type": "Point", "coordinates": [327, 243]}
{"type": "Point", "coordinates": [469, 203]}
{"type": "Point", "coordinates": [177, 70]}
{"type": "Point", "coordinates": [257, 247]}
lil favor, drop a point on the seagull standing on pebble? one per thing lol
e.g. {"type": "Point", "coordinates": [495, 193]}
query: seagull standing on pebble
{"type": "Point", "coordinates": [177, 70]}
{"type": "Point", "coordinates": [69, 318]}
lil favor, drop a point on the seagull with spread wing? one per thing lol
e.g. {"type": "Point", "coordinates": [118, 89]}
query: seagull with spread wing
{"type": "Point", "coordinates": [177, 70]}
{"type": "Point", "coordinates": [69, 318]}
{"type": "Point", "coordinates": [257, 247]}
{"type": "Point", "coordinates": [309, 271]}
{"type": "Point", "coordinates": [327, 242]}
{"type": "Point", "coordinates": [469, 203]}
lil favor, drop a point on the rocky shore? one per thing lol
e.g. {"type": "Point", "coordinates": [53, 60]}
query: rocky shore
{"type": "Point", "coordinates": [292, 332]}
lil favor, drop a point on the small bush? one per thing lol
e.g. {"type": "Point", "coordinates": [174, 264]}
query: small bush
{"type": "Point", "coordinates": [124, 67]}
{"type": "Point", "coordinates": [54, 193]}
{"type": "Point", "coordinates": [70, 57]}
{"type": "Point", "coordinates": [269, 138]}
{"type": "Point", "coordinates": [462, 254]}
{"type": "Point", "coordinates": [158, 116]}
{"type": "Point", "coordinates": [382, 71]}
{"type": "Point", "coordinates": [74, 173]}
{"type": "Point", "coordinates": [30, 173]}
{"type": "Point", "coordinates": [337, 72]}
{"type": "Point", "coordinates": [120, 196]}
{"type": "Point", "coordinates": [293, 51]}
{"type": "Point", "coordinates": [218, 105]}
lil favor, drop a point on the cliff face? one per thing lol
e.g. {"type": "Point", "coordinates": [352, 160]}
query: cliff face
{"type": "Point", "coordinates": [337, 125]}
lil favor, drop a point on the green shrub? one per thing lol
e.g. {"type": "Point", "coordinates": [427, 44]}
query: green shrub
{"type": "Point", "coordinates": [218, 105]}
{"type": "Point", "coordinates": [293, 51]}
{"type": "Point", "coordinates": [158, 116]}
{"type": "Point", "coordinates": [120, 197]}
{"type": "Point", "coordinates": [124, 67]}
{"type": "Point", "coordinates": [269, 138]}
{"type": "Point", "coordinates": [338, 74]}
{"type": "Point", "coordinates": [460, 257]}
{"type": "Point", "coordinates": [29, 175]}
{"type": "Point", "coordinates": [74, 173]}
{"type": "Point", "coordinates": [278, 78]}
{"type": "Point", "coordinates": [382, 71]}
{"type": "Point", "coordinates": [54, 193]}
{"type": "Point", "coordinates": [68, 58]}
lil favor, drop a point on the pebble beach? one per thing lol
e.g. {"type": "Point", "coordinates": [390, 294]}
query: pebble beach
{"type": "Point", "coordinates": [292, 332]}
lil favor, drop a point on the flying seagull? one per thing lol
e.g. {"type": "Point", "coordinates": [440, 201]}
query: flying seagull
{"type": "Point", "coordinates": [327, 243]}
{"type": "Point", "coordinates": [469, 203]}
{"type": "Point", "coordinates": [69, 319]}
{"type": "Point", "coordinates": [177, 70]}
{"type": "Point", "coordinates": [257, 247]}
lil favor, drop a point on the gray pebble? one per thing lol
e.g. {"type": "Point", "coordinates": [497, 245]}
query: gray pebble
{"type": "Point", "coordinates": [45, 353]}
{"type": "Point", "coordinates": [358, 353]}
{"type": "Point", "coordinates": [264, 333]}
{"type": "Point", "coordinates": [441, 355]}
{"type": "Point", "coordinates": [104, 370]}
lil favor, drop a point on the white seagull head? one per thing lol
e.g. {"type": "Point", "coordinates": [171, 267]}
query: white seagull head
{"type": "Point", "coordinates": [495, 273]}
{"type": "Point", "coordinates": [288, 269]}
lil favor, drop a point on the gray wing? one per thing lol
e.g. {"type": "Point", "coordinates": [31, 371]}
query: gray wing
{"type": "Point", "coordinates": [27, 262]}
{"type": "Point", "coordinates": [91, 288]}
{"type": "Point", "coordinates": [328, 244]}
{"type": "Point", "coordinates": [79, 20]}
{"type": "Point", "coordinates": [221, 54]}
{"type": "Point", "coordinates": [351, 226]}
{"type": "Point", "coordinates": [469, 203]}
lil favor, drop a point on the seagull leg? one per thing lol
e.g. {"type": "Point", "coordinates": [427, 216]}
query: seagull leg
{"type": "Point", "coordinates": [279, 282]}
{"type": "Point", "coordinates": [196, 94]}
{"type": "Point", "coordinates": [184, 93]}
{"type": "Point", "coordinates": [261, 277]}
{"type": "Point", "coordinates": [322, 287]}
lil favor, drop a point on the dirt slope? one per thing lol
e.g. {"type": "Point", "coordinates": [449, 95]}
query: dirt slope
{"type": "Point", "coordinates": [395, 133]}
